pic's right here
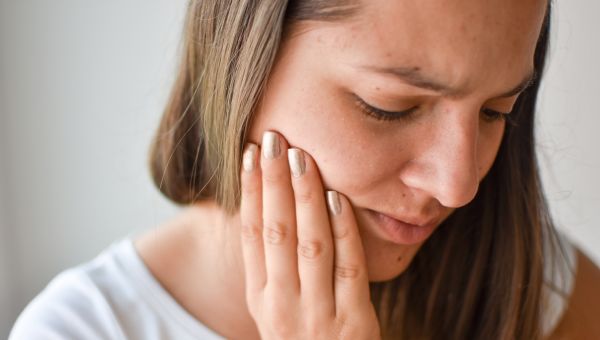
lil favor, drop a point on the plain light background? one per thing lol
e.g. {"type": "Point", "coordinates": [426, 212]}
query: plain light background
{"type": "Point", "coordinates": [82, 87]}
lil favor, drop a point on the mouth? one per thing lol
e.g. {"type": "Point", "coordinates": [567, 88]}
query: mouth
{"type": "Point", "coordinates": [398, 231]}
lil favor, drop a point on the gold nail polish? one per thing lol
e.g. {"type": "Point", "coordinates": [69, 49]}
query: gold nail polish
{"type": "Point", "coordinates": [249, 159]}
{"type": "Point", "coordinates": [333, 201]}
{"type": "Point", "coordinates": [297, 163]}
{"type": "Point", "coordinates": [270, 145]}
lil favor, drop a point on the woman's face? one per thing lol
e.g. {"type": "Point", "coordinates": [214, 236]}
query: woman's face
{"type": "Point", "coordinates": [449, 62]}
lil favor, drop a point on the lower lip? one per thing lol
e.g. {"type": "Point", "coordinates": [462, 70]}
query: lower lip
{"type": "Point", "coordinates": [400, 232]}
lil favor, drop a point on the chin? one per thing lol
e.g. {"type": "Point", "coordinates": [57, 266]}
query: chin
{"type": "Point", "coordinates": [380, 273]}
{"type": "Point", "coordinates": [385, 260]}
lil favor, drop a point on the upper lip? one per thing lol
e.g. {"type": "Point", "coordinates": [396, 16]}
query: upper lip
{"type": "Point", "coordinates": [418, 221]}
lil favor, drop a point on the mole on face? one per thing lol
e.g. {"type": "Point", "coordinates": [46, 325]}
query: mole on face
{"type": "Point", "coordinates": [399, 259]}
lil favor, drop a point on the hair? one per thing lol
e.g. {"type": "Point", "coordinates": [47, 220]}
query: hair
{"type": "Point", "coordinates": [479, 276]}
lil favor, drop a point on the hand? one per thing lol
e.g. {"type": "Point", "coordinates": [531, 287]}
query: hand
{"type": "Point", "coordinates": [290, 244]}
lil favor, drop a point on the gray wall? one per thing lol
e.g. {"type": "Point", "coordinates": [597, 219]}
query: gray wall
{"type": "Point", "coordinates": [6, 308]}
{"type": "Point", "coordinates": [82, 85]}
{"type": "Point", "coordinates": [569, 116]}
{"type": "Point", "coordinates": [5, 272]}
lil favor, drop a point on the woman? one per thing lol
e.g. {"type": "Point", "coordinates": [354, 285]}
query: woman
{"type": "Point", "coordinates": [352, 170]}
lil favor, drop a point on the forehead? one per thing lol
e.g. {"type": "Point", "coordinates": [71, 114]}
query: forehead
{"type": "Point", "coordinates": [460, 42]}
{"type": "Point", "coordinates": [461, 24]}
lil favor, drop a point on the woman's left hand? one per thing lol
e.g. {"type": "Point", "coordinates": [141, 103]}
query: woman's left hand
{"type": "Point", "coordinates": [305, 269]}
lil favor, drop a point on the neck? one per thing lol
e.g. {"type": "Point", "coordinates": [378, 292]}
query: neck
{"type": "Point", "coordinates": [223, 285]}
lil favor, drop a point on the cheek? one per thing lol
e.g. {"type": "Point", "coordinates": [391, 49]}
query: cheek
{"type": "Point", "coordinates": [488, 147]}
{"type": "Point", "coordinates": [323, 123]}
{"type": "Point", "coordinates": [335, 134]}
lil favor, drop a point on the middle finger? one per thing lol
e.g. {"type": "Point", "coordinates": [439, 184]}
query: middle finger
{"type": "Point", "coordinates": [279, 217]}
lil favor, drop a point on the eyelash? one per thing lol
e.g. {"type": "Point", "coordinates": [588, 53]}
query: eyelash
{"type": "Point", "coordinates": [491, 115]}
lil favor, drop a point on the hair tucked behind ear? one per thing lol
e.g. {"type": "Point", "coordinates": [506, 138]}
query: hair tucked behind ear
{"type": "Point", "coordinates": [480, 274]}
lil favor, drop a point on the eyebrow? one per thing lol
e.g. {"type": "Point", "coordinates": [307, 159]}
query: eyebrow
{"type": "Point", "coordinates": [414, 77]}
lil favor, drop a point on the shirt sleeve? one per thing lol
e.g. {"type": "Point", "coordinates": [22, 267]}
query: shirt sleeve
{"type": "Point", "coordinates": [70, 307]}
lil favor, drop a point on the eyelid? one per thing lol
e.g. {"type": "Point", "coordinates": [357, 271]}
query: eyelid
{"type": "Point", "coordinates": [381, 114]}
{"type": "Point", "coordinates": [491, 115]}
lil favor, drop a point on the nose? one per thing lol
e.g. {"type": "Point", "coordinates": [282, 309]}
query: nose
{"type": "Point", "coordinates": [446, 166]}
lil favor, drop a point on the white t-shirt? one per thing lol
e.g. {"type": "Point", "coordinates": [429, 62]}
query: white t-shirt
{"type": "Point", "coordinates": [115, 296]}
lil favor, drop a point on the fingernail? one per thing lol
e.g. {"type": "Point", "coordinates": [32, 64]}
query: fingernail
{"type": "Point", "coordinates": [270, 145]}
{"type": "Point", "coordinates": [250, 157]}
{"type": "Point", "coordinates": [297, 163]}
{"type": "Point", "coordinates": [333, 201]}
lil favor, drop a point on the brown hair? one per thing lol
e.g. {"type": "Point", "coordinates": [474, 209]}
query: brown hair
{"type": "Point", "coordinates": [480, 274]}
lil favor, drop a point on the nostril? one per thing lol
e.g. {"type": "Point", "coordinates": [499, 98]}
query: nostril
{"type": "Point", "coordinates": [458, 195]}
{"type": "Point", "coordinates": [449, 177]}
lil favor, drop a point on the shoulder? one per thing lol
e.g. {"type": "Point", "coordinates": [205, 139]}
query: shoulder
{"type": "Point", "coordinates": [74, 305]}
{"type": "Point", "coordinates": [580, 318]}
{"type": "Point", "coordinates": [114, 296]}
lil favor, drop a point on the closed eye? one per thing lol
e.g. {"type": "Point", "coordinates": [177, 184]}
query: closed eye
{"type": "Point", "coordinates": [383, 115]}
{"type": "Point", "coordinates": [380, 114]}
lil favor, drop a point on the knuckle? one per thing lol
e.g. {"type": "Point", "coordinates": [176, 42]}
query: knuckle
{"type": "Point", "coordinates": [250, 232]}
{"type": "Point", "coordinates": [341, 231]}
{"type": "Point", "coordinates": [275, 233]}
{"type": "Point", "coordinates": [304, 195]}
{"type": "Point", "coordinates": [346, 271]}
{"type": "Point", "coordinates": [310, 250]}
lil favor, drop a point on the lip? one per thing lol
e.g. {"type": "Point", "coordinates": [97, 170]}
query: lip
{"type": "Point", "coordinates": [401, 232]}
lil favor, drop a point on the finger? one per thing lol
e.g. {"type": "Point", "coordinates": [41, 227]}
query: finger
{"type": "Point", "coordinates": [279, 218]}
{"type": "Point", "coordinates": [315, 243]}
{"type": "Point", "coordinates": [351, 282]}
{"type": "Point", "coordinates": [251, 222]}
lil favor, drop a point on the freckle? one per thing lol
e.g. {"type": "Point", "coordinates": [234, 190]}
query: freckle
{"type": "Point", "coordinates": [399, 259]}
{"type": "Point", "coordinates": [403, 195]}
{"type": "Point", "coordinates": [377, 88]}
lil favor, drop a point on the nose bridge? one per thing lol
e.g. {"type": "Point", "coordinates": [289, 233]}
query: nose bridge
{"type": "Point", "coordinates": [455, 177]}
